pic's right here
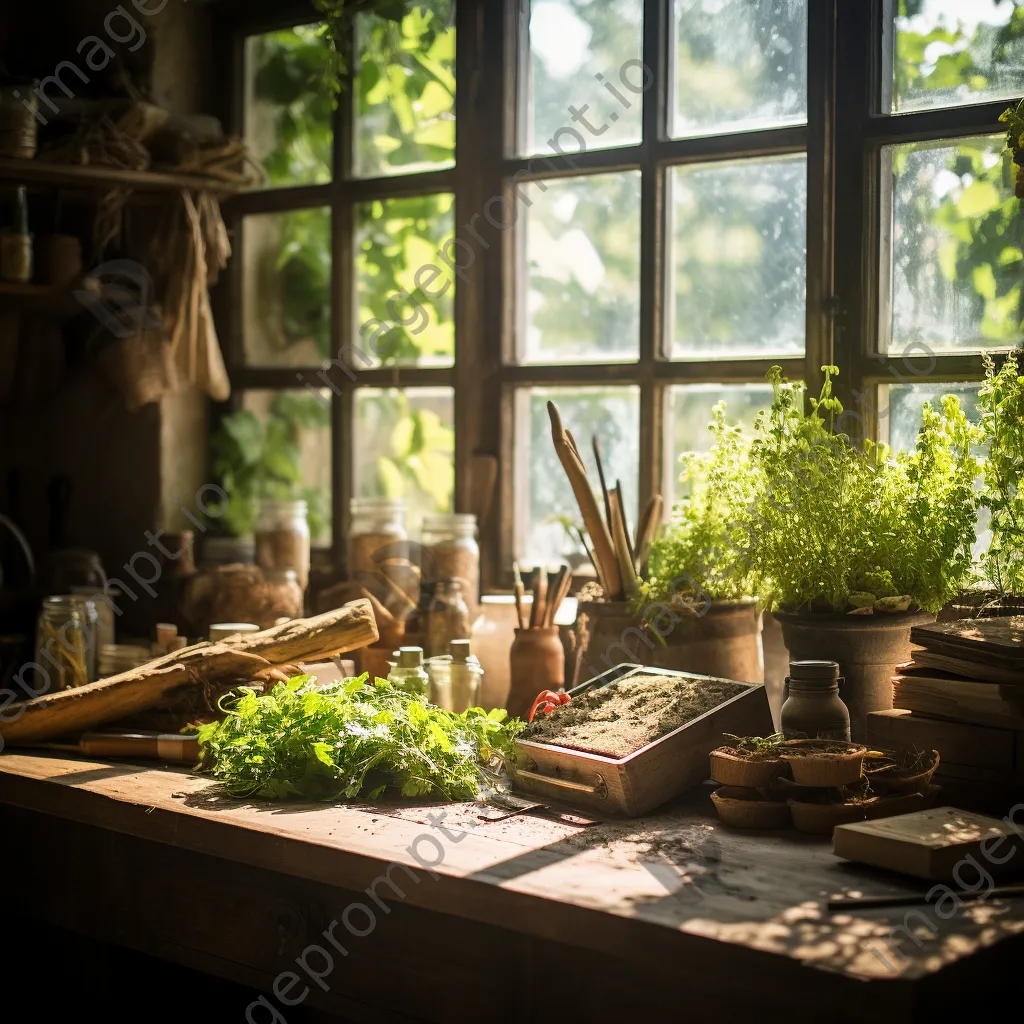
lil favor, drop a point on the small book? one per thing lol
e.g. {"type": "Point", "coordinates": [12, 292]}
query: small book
{"type": "Point", "coordinates": [967, 668]}
{"type": "Point", "coordinates": [961, 700]}
{"type": "Point", "coordinates": [998, 642]}
{"type": "Point", "coordinates": [935, 844]}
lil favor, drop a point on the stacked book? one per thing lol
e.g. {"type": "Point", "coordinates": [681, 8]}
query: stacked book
{"type": "Point", "coordinates": [963, 695]}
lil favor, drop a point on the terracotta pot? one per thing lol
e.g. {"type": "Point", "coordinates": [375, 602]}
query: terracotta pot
{"type": "Point", "coordinates": [819, 763]}
{"type": "Point", "coordinates": [885, 781]}
{"type": "Point", "coordinates": [821, 819]}
{"type": "Point", "coordinates": [725, 641]}
{"type": "Point", "coordinates": [867, 647]}
{"type": "Point", "coordinates": [730, 769]}
{"type": "Point", "coordinates": [746, 808]}
{"type": "Point", "coordinates": [537, 662]}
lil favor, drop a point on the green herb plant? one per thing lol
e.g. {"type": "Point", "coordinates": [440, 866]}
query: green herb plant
{"type": "Point", "coordinates": [1001, 401]}
{"type": "Point", "coordinates": [838, 527]}
{"type": "Point", "coordinates": [698, 557]}
{"type": "Point", "coordinates": [756, 748]}
{"type": "Point", "coordinates": [352, 739]}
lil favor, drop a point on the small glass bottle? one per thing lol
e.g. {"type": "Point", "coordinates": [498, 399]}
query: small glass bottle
{"type": "Point", "coordinates": [409, 674]}
{"type": "Point", "coordinates": [465, 674]}
{"type": "Point", "coordinates": [813, 709]}
{"type": "Point", "coordinates": [66, 646]}
{"type": "Point", "coordinates": [439, 670]}
{"type": "Point", "coordinates": [282, 538]}
{"type": "Point", "coordinates": [448, 618]}
{"type": "Point", "coordinates": [451, 551]}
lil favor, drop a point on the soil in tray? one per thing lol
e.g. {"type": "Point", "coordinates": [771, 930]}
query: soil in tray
{"type": "Point", "coordinates": [620, 718]}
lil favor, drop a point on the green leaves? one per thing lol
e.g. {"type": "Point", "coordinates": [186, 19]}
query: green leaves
{"type": "Point", "coordinates": [352, 739]}
{"type": "Point", "coordinates": [835, 526]}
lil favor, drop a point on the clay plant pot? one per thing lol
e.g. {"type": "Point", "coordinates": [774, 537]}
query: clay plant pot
{"type": "Point", "coordinates": [820, 818]}
{"type": "Point", "coordinates": [886, 778]}
{"type": "Point", "coordinates": [903, 803]}
{"type": "Point", "coordinates": [724, 641]}
{"type": "Point", "coordinates": [823, 763]}
{"type": "Point", "coordinates": [746, 808]}
{"type": "Point", "coordinates": [867, 647]}
{"type": "Point", "coordinates": [732, 769]}
{"type": "Point", "coordinates": [536, 663]}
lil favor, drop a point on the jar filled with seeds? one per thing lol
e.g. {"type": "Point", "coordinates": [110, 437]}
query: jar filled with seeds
{"type": "Point", "coordinates": [378, 546]}
{"type": "Point", "coordinates": [282, 538]}
{"type": "Point", "coordinates": [451, 552]}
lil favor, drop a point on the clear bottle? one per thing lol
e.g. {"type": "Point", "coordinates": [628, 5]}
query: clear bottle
{"type": "Point", "coordinates": [813, 709]}
{"type": "Point", "coordinates": [439, 670]}
{"type": "Point", "coordinates": [448, 618]}
{"type": "Point", "coordinates": [282, 538]}
{"type": "Point", "coordinates": [66, 643]}
{"type": "Point", "coordinates": [409, 674]}
{"type": "Point", "coordinates": [451, 552]}
{"type": "Point", "coordinates": [465, 675]}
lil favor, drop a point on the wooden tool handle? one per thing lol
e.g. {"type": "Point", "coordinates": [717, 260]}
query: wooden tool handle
{"type": "Point", "coordinates": [159, 746]}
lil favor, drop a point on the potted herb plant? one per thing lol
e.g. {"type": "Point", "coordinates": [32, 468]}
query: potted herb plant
{"type": "Point", "coordinates": [697, 599]}
{"type": "Point", "coordinates": [1001, 401]}
{"type": "Point", "coordinates": [750, 762]}
{"type": "Point", "coordinates": [851, 544]}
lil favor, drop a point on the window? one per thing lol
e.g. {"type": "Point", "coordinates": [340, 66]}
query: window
{"type": "Point", "coordinates": [632, 208]}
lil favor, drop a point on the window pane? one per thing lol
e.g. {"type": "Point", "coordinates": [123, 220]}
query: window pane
{"type": "Point", "coordinates": [405, 91]}
{"type": "Point", "coordinates": [295, 456]}
{"type": "Point", "coordinates": [739, 64]}
{"type": "Point", "coordinates": [586, 55]}
{"type": "Point", "coordinates": [951, 52]}
{"type": "Point", "coordinates": [404, 292]}
{"type": "Point", "coordinates": [957, 243]}
{"type": "Point", "coordinates": [286, 264]}
{"type": "Point", "coordinates": [405, 448]}
{"type": "Point", "coordinates": [288, 112]}
{"type": "Point", "coordinates": [739, 253]}
{"type": "Point", "coordinates": [905, 402]}
{"type": "Point", "coordinates": [689, 413]}
{"type": "Point", "coordinates": [543, 495]}
{"type": "Point", "coordinates": [581, 247]}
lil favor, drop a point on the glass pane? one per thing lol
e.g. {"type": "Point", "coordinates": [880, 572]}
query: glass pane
{"type": "Point", "coordinates": [689, 413]}
{"type": "Point", "coordinates": [588, 57]}
{"type": "Point", "coordinates": [404, 292]}
{"type": "Point", "coordinates": [293, 448]}
{"type": "Point", "coordinates": [288, 112]}
{"type": "Point", "coordinates": [739, 64]}
{"type": "Point", "coordinates": [286, 303]}
{"type": "Point", "coordinates": [405, 448]}
{"type": "Point", "coordinates": [905, 402]}
{"type": "Point", "coordinates": [581, 245]}
{"type": "Point", "coordinates": [951, 52]}
{"type": "Point", "coordinates": [739, 258]}
{"type": "Point", "coordinates": [405, 91]}
{"type": "Point", "coordinates": [957, 247]}
{"type": "Point", "coordinates": [544, 500]}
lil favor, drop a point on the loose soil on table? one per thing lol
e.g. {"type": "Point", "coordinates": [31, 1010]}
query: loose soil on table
{"type": "Point", "coordinates": [620, 718]}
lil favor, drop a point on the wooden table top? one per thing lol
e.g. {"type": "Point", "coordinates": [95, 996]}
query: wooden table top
{"type": "Point", "coordinates": [670, 884]}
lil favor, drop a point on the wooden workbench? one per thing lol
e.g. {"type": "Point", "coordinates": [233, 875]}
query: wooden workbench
{"type": "Point", "coordinates": [531, 918]}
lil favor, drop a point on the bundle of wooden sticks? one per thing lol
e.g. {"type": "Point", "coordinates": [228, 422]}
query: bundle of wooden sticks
{"type": "Point", "coordinates": [618, 559]}
{"type": "Point", "coordinates": [548, 596]}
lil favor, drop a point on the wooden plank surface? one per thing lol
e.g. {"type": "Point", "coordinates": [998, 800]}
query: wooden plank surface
{"type": "Point", "coordinates": [673, 884]}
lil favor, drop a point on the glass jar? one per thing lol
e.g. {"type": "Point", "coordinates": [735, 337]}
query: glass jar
{"type": "Point", "coordinates": [451, 552]}
{"type": "Point", "coordinates": [282, 538]}
{"type": "Point", "coordinates": [448, 618]}
{"type": "Point", "coordinates": [409, 674]}
{"type": "Point", "coordinates": [813, 709]}
{"type": "Point", "coordinates": [284, 594]}
{"type": "Point", "coordinates": [465, 675]}
{"type": "Point", "coordinates": [66, 649]}
{"type": "Point", "coordinates": [439, 672]}
{"type": "Point", "coordinates": [378, 546]}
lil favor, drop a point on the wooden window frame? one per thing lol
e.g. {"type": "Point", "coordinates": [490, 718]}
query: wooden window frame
{"type": "Point", "coordinates": [843, 139]}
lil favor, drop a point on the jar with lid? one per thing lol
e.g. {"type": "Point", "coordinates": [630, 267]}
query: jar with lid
{"type": "Point", "coordinates": [282, 538]}
{"type": "Point", "coordinates": [284, 594]}
{"type": "Point", "coordinates": [451, 551]}
{"type": "Point", "coordinates": [378, 545]}
{"type": "Point", "coordinates": [465, 674]}
{"type": "Point", "coordinates": [448, 618]}
{"type": "Point", "coordinates": [813, 709]}
{"type": "Point", "coordinates": [66, 648]}
{"type": "Point", "coordinates": [409, 674]}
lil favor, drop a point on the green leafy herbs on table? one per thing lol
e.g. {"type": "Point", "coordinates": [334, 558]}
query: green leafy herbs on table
{"type": "Point", "coordinates": [352, 739]}
{"type": "Point", "coordinates": [1001, 400]}
{"type": "Point", "coordinates": [699, 555]}
{"type": "Point", "coordinates": [837, 527]}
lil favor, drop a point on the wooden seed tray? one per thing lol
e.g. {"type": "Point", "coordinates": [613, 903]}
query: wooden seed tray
{"type": "Point", "coordinates": [635, 784]}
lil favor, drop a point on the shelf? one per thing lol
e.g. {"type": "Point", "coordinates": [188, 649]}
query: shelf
{"type": "Point", "coordinates": [39, 172]}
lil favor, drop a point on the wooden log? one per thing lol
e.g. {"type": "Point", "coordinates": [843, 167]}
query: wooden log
{"type": "Point", "coordinates": [70, 712]}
